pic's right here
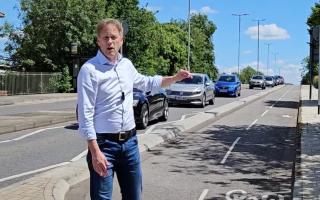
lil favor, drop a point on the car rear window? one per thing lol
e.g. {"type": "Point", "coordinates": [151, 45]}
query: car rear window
{"type": "Point", "coordinates": [227, 78]}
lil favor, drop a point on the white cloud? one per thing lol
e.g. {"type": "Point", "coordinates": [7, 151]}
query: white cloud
{"type": "Point", "coordinates": [204, 10]}
{"type": "Point", "coordinates": [3, 39]}
{"type": "Point", "coordinates": [207, 10]}
{"type": "Point", "coordinates": [246, 52]}
{"type": "Point", "coordinates": [268, 32]}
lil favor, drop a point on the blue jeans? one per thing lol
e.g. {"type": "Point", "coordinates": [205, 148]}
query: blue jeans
{"type": "Point", "coordinates": [124, 160]}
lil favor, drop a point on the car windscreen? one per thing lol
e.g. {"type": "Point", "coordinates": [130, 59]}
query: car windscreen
{"type": "Point", "coordinates": [194, 80]}
{"type": "Point", "coordinates": [269, 78]}
{"type": "Point", "coordinates": [227, 78]}
{"type": "Point", "coordinates": [257, 77]}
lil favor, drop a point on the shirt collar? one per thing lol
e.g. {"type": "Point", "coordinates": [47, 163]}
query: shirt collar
{"type": "Point", "coordinates": [103, 60]}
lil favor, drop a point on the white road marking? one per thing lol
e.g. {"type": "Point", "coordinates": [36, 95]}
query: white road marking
{"type": "Point", "coordinates": [33, 172]}
{"type": "Point", "coordinates": [286, 116]}
{"type": "Point", "coordinates": [203, 194]}
{"type": "Point", "coordinates": [78, 157]}
{"type": "Point", "coordinates": [149, 129]}
{"type": "Point", "coordinates": [252, 124]}
{"type": "Point", "coordinates": [30, 134]}
{"type": "Point", "coordinates": [230, 149]}
{"type": "Point", "coordinates": [265, 112]}
{"type": "Point", "coordinates": [183, 117]}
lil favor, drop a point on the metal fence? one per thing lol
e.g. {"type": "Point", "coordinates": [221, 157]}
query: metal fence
{"type": "Point", "coordinates": [15, 83]}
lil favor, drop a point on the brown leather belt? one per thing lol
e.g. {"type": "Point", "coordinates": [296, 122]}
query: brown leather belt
{"type": "Point", "coordinates": [118, 137]}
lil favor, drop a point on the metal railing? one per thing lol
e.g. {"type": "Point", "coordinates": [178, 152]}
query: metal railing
{"type": "Point", "coordinates": [16, 83]}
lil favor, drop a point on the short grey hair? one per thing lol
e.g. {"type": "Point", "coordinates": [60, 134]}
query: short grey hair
{"type": "Point", "coordinates": [107, 21]}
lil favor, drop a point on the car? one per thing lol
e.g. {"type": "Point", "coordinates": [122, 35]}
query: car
{"type": "Point", "coordinates": [196, 90]}
{"type": "Point", "coordinates": [228, 84]}
{"type": "Point", "coordinates": [148, 106]}
{"type": "Point", "coordinates": [279, 79]}
{"type": "Point", "coordinates": [257, 81]}
{"type": "Point", "coordinates": [270, 81]}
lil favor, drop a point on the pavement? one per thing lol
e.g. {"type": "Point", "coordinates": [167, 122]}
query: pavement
{"type": "Point", "coordinates": [55, 183]}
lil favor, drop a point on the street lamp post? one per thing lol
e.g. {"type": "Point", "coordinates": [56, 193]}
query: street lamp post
{"type": "Point", "coordinates": [268, 44]}
{"type": "Point", "coordinates": [239, 15]}
{"type": "Point", "coordinates": [189, 33]}
{"type": "Point", "coordinates": [258, 20]}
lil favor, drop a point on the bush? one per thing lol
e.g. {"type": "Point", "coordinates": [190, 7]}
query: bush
{"type": "Point", "coordinates": [315, 81]}
{"type": "Point", "coordinates": [62, 82]}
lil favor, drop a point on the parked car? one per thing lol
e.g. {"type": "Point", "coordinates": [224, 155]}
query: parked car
{"type": "Point", "coordinates": [228, 84]}
{"type": "Point", "coordinates": [270, 81]}
{"type": "Point", "coordinates": [279, 79]}
{"type": "Point", "coordinates": [257, 81]}
{"type": "Point", "coordinates": [148, 107]}
{"type": "Point", "coordinates": [196, 90]}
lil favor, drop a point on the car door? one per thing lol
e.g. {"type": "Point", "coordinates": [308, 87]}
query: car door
{"type": "Point", "coordinates": [208, 87]}
{"type": "Point", "coordinates": [155, 104]}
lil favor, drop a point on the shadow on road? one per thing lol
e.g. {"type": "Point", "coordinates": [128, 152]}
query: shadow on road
{"type": "Point", "coordinates": [263, 158]}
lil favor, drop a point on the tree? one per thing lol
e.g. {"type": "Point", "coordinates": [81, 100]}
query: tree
{"type": "Point", "coordinates": [246, 74]}
{"type": "Point", "coordinates": [49, 27]}
{"type": "Point", "coordinates": [202, 49]}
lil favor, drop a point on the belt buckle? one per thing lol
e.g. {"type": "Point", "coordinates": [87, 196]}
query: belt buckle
{"type": "Point", "coordinates": [122, 133]}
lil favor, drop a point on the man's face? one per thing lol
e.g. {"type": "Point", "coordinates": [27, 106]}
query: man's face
{"type": "Point", "coordinates": [109, 40]}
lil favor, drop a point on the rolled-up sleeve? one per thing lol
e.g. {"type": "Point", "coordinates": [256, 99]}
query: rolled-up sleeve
{"type": "Point", "coordinates": [87, 92]}
{"type": "Point", "coordinates": [147, 83]}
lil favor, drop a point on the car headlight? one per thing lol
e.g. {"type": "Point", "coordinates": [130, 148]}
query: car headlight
{"type": "Point", "coordinates": [196, 92]}
{"type": "Point", "coordinates": [135, 102]}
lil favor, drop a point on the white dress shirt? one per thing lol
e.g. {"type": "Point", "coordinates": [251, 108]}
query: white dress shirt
{"type": "Point", "coordinates": [102, 108]}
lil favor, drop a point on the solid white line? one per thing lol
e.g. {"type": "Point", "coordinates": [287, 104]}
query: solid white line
{"type": "Point", "coordinates": [230, 149]}
{"type": "Point", "coordinates": [82, 154]}
{"type": "Point", "coordinates": [30, 134]}
{"type": "Point", "coordinates": [265, 112]}
{"type": "Point", "coordinates": [150, 129]}
{"type": "Point", "coordinates": [33, 172]}
{"type": "Point", "coordinates": [252, 124]}
{"type": "Point", "coordinates": [203, 194]}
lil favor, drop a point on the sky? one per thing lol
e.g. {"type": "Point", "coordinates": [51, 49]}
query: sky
{"type": "Point", "coordinates": [282, 28]}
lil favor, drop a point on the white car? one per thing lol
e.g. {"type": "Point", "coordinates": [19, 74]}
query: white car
{"type": "Point", "coordinates": [196, 90]}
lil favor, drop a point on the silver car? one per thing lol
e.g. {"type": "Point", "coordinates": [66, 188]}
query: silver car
{"type": "Point", "coordinates": [196, 90]}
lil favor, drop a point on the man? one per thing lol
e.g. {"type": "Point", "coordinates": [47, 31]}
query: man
{"type": "Point", "coordinates": [106, 119]}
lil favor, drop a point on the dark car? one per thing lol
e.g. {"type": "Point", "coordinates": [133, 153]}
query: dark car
{"type": "Point", "coordinates": [148, 107]}
{"type": "Point", "coordinates": [228, 84]}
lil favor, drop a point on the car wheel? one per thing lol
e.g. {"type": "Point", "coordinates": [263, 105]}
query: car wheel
{"type": "Point", "coordinates": [250, 87]}
{"type": "Point", "coordinates": [203, 101]}
{"type": "Point", "coordinates": [165, 111]}
{"type": "Point", "coordinates": [211, 101]}
{"type": "Point", "coordinates": [144, 117]}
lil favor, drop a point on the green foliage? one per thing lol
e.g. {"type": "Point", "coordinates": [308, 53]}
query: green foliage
{"type": "Point", "coordinates": [61, 82]}
{"type": "Point", "coordinates": [50, 26]}
{"type": "Point", "coordinates": [246, 74]}
{"type": "Point", "coordinates": [315, 81]}
{"type": "Point", "coordinates": [314, 18]}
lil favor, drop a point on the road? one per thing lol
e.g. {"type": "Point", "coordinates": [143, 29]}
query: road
{"type": "Point", "coordinates": [249, 153]}
{"type": "Point", "coordinates": [25, 153]}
